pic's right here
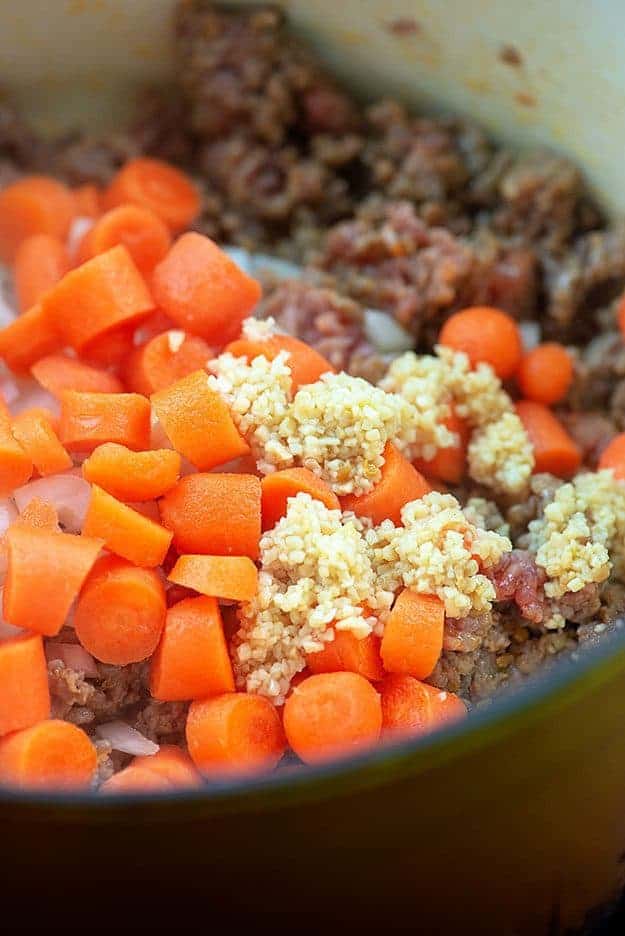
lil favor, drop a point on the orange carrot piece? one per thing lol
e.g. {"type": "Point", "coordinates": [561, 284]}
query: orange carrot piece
{"type": "Point", "coordinates": [191, 660]}
{"type": "Point", "coordinates": [449, 464]}
{"type": "Point", "coordinates": [349, 653]}
{"type": "Point", "coordinates": [39, 513]}
{"type": "Point", "coordinates": [306, 364]}
{"type": "Point", "coordinates": [486, 335]}
{"type": "Point", "coordinates": [234, 733]}
{"type": "Point", "coordinates": [53, 754]}
{"type": "Point", "coordinates": [29, 337]}
{"type": "Point", "coordinates": [158, 187]}
{"type": "Point", "coordinates": [132, 476]}
{"type": "Point", "coordinates": [411, 707]}
{"type": "Point", "coordinates": [400, 483]}
{"type": "Point", "coordinates": [24, 692]}
{"type": "Point", "coordinates": [97, 298]}
{"type": "Point", "coordinates": [332, 714]}
{"type": "Point", "coordinates": [231, 577]}
{"type": "Point", "coordinates": [135, 779]}
{"type": "Point", "coordinates": [46, 570]}
{"type": "Point", "coordinates": [125, 531]}
{"type": "Point", "coordinates": [16, 465]}
{"type": "Point", "coordinates": [120, 612]}
{"type": "Point", "coordinates": [89, 419]}
{"type": "Point", "coordinates": [613, 457]}
{"type": "Point", "coordinates": [33, 205]}
{"type": "Point", "coordinates": [36, 435]}
{"type": "Point", "coordinates": [554, 449]}
{"type": "Point", "coordinates": [87, 200]}
{"type": "Point", "coordinates": [144, 235]}
{"type": "Point", "coordinates": [198, 423]}
{"type": "Point", "coordinates": [280, 485]}
{"type": "Point", "coordinates": [202, 290]}
{"type": "Point", "coordinates": [57, 372]}
{"type": "Point", "coordinates": [172, 763]}
{"type": "Point", "coordinates": [413, 634]}
{"type": "Point", "coordinates": [40, 262]}
{"type": "Point", "coordinates": [545, 373]}
{"type": "Point", "coordinates": [163, 360]}
{"type": "Point", "coordinates": [214, 514]}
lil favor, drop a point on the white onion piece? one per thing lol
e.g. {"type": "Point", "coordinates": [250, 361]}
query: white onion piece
{"type": "Point", "coordinates": [77, 231]}
{"type": "Point", "coordinates": [531, 334]}
{"type": "Point", "coordinates": [124, 738]}
{"type": "Point", "coordinates": [384, 333]}
{"type": "Point", "coordinates": [74, 656]}
{"type": "Point", "coordinates": [8, 514]}
{"type": "Point", "coordinates": [69, 493]}
{"type": "Point", "coordinates": [8, 304]}
{"type": "Point", "coordinates": [8, 387]}
{"type": "Point", "coordinates": [32, 395]}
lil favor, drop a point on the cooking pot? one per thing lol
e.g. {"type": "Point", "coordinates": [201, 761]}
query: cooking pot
{"type": "Point", "coordinates": [510, 823]}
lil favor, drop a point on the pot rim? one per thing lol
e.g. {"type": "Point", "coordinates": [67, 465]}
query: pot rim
{"type": "Point", "coordinates": [572, 676]}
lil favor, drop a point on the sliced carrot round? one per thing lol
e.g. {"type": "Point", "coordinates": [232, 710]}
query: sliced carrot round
{"type": "Point", "coordinates": [613, 457]}
{"type": "Point", "coordinates": [280, 485]}
{"type": "Point", "coordinates": [412, 707]}
{"type": "Point", "coordinates": [136, 779]}
{"type": "Point", "coordinates": [171, 763]}
{"type": "Point", "coordinates": [234, 578]}
{"type": "Point", "coordinates": [413, 634]}
{"type": "Point", "coordinates": [234, 733]}
{"type": "Point", "coordinates": [33, 205]}
{"type": "Point", "coordinates": [40, 262]}
{"type": "Point", "coordinates": [90, 419]}
{"type": "Point", "coordinates": [400, 483]}
{"type": "Point", "coordinates": [332, 714]}
{"type": "Point", "coordinates": [449, 464]}
{"type": "Point", "coordinates": [58, 372]}
{"type": "Point", "coordinates": [144, 235]}
{"type": "Point", "coordinates": [27, 338]}
{"type": "Point", "coordinates": [163, 360]}
{"type": "Point", "coordinates": [52, 754]}
{"type": "Point", "coordinates": [349, 653]}
{"type": "Point", "coordinates": [306, 364]}
{"type": "Point", "coordinates": [132, 476]}
{"type": "Point", "coordinates": [24, 692]}
{"type": "Point", "coordinates": [555, 451]}
{"type": "Point", "coordinates": [545, 373]}
{"type": "Point", "coordinates": [121, 612]}
{"type": "Point", "coordinates": [157, 186]}
{"type": "Point", "coordinates": [486, 335]}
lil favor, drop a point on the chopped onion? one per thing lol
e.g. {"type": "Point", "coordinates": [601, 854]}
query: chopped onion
{"type": "Point", "coordinates": [77, 231]}
{"type": "Point", "coordinates": [124, 738]}
{"type": "Point", "coordinates": [8, 388]}
{"type": "Point", "coordinates": [531, 334]}
{"type": "Point", "coordinates": [30, 395]}
{"type": "Point", "coordinates": [384, 333]}
{"type": "Point", "coordinates": [68, 492]}
{"type": "Point", "coordinates": [74, 656]}
{"type": "Point", "coordinates": [8, 514]}
{"type": "Point", "coordinates": [8, 305]}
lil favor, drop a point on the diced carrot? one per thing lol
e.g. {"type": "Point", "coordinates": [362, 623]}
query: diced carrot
{"type": "Point", "coordinates": [198, 423]}
{"type": "Point", "coordinates": [120, 612]}
{"type": "Point", "coordinates": [33, 205]}
{"type": "Point", "coordinates": [144, 235]}
{"type": "Point", "coordinates": [554, 449]}
{"type": "Point", "coordinates": [214, 514]}
{"type": "Point", "coordinates": [112, 348]}
{"type": "Point", "coordinates": [135, 779]}
{"type": "Point", "coordinates": [486, 335]}
{"type": "Point", "coordinates": [45, 572]}
{"type": "Point", "coordinates": [172, 763]}
{"type": "Point", "coordinates": [413, 634]}
{"type": "Point", "coordinates": [234, 733]}
{"type": "Point", "coordinates": [39, 513]}
{"type": "Point", "coordinates": [545, 373]}
{"type": "Point", "coordinates": [306, 364]}
{"type": "Point", "coordinates": [40, 262]}
{"type": "Point", "coordinates": [54, 754]}
{"type": "Point", "coordinates": [191, 660]}
{"type": "Point", "coordinates": [400, 483]}
{"type": "Point", "coordinates": [87, 200]}
{"type": "Point", "coordinates": [412, 707]}
{"type": "Point", "coordinates": [24, 692]}
{"type": "Point", "coordinates": [35, 434]}
{"type": "Point", "coordinates": [132, 476]}
{"type": "Point", "coordinates": [163, 360]}
{"type": "Point", "coordinates": [231, 577]}
{"type": "Point", "coordinates": [332, 714]}
{"type": "Point", "coordinates": [89, 419]}
{"type": "Point", "coordinates": [349, 653]}
{"type": "Point", "coordinates": [613, 457]}
{"type": "Point", "coordinates": [97, 298]}
{"type": "Point", "coordinates": [16, 465]}
{"type": "Point", "coordinates": [449, 464]}
{"type": "Point", "coordinates": [125, 531]}
{"type": "Point", "coordinates": [57, 372]}
{"type": "Point", "coordinates": [280, 485]}
{"type": "Point", "coordinates": [29, 337]}
{"type": "Point", "coordinates": [157, 186]}
{"type": "Point", "coordinates": [202, 290]}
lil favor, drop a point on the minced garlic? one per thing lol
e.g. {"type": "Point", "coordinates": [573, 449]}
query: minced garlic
{"type": "Point", "coordinates": [580, 536]}
{"type": "Point", "coordinates": [338, 428]}
{"type": "Point", "coordinates": [500, 455]}
{"type": "Point", "coordinates": [254, 329]}
{"type": "Point", "coordinates": [485, 514]}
